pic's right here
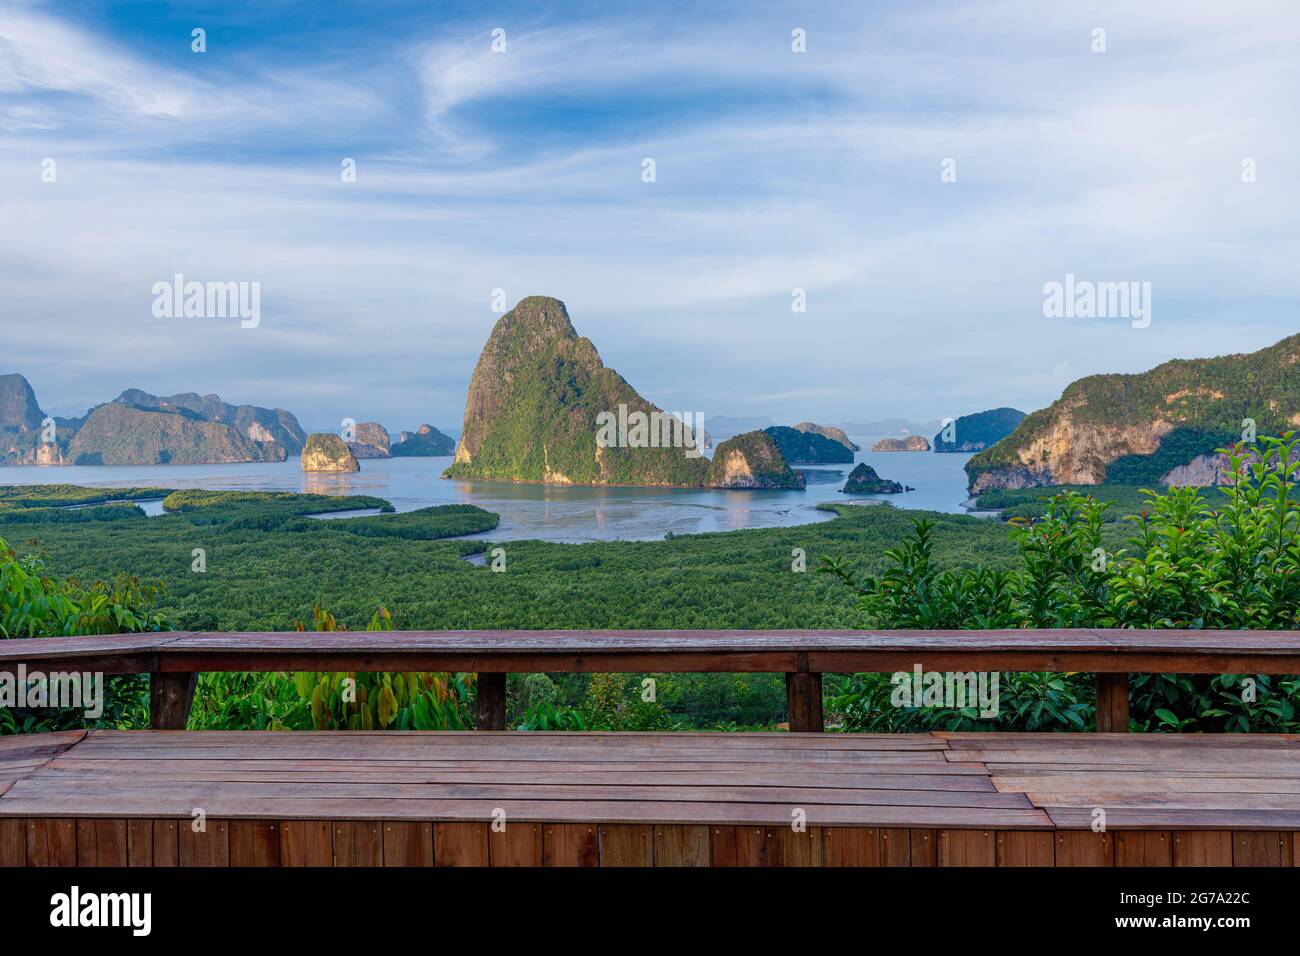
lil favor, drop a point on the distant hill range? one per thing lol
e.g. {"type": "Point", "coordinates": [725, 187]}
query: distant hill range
{"type": "Point", "coordinates": [809, 448]}
{"type": "Point", "coordinates": [1160, 426]}
{"type": "Point", "coordinates": [978, 431]}
{"type": "Point", "coordinates": [138, 428]}
{"type": "Point", "coordinates": [424, 442]}
{"type": "Point", "coordinates": [829, 431]}
{"type": "Point", "coordinates": [537, 400]}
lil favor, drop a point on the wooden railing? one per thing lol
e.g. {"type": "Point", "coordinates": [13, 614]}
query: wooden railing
{"type": "Point", "coordinates": [174, 659]}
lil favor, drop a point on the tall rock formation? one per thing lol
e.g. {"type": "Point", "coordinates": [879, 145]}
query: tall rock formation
{"type": "Point", "coordinates": [533, 406]}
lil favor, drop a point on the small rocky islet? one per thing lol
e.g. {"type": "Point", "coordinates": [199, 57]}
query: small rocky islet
{"type": "Point", "coordinates": [863, 480]}
{"type": "Point", "coordinates": [910, 443]}
{"type": "Point", "coordinates": [328, 453]}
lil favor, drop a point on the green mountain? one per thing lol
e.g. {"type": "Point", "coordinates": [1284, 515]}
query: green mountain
{"type": "Point", "coordinates": [425, 442]}
{"type": "Point", "coordinates": [116, 434]}
{"type": "Point", "coordinates": [531, 413]}
{"type": "Point", "coordinates": [252, 422]}
{"type": "Point", "coordinates": [831, 432]}
{"type": "Point", "coordinates": [752, 460]}
{"type": "Point", "coordinates": [978, 431]}
{"type": "Point", "coordinates": [808, 448]}
{"type": "Point", "coordinates": [19, 411]}
{"type": "Point", "coordinates": [1160, 426]}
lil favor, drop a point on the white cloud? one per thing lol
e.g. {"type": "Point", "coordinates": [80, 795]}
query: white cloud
{"type": "Point", "coordinates": [822, 172]}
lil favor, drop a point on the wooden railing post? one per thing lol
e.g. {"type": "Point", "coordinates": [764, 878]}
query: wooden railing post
{"type": "Point", "coordinates": [170, 696]}
{"type": "Point", "coordinates": [803, 697]}
{"type": "Point", "coordinates": [490, 702]}
{"type": "Point", "coordinates": [1112, 703]}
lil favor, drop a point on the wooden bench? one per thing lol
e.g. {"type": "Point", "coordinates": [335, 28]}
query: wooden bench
{"type": "Point", "coordinates": [261, 798]}
{"type": "Point", "coordinates": [174, 659]}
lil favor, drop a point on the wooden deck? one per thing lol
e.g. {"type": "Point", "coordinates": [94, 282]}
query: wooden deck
{"type": "Point", "coordinates": [410, 799]}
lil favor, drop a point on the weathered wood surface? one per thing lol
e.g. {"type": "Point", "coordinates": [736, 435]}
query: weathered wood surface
{"type": "Point", "coordinates": [112, 798]}
{"type": "Point", "coordinates": [1091, 650]}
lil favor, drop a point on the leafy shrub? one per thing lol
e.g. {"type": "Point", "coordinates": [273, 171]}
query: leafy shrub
{"type": "Point", "coordinates": [1192, 565]}
{"type": "Point", "coordinates": [383, 701]}
{"type": "Point", "coordinates": [35, 604]}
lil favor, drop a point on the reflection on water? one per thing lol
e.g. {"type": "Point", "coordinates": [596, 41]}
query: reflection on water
{"type": "Point", "coordinates": [550, 512]}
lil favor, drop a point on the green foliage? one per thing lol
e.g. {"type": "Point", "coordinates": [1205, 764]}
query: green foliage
{"type": "Point", "coordinates": [383, 701]}
{"type": "Point", "coordinates": [1179, 447]}
{"type": "Point", "coordinates": [69, 515]}
{"type": "Point", "coordinates": [1191, 565]}
{"type": "Point", "coordinates": [49, 496]}
{"type": "Point", "coordinates": [1121, 500]}
{"type": "Point", "coordinates": [35, 604]}
{"type": "Point", "coordinates": [197, 500]}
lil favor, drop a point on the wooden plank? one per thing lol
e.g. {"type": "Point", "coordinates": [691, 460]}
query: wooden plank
{"type": "Point", "coordinates": [570, 844]}
{"type": "Point", "coordinates": [625, 845]}
{"type": "Point", "coordinates": [358, 843]}
{"type": "Point", "coordinates": [170, 697]}
{"type": "Point", "coordinates": [254, 843]}
{"type": "Point", "coordinates": [13, 842]}
{"type": "Point", "coordinates": [967, 848]}
{"type": "Point", "coordinates": [1202, 848]}
{"type": "Point", "coordinates": [460, 844]}
{"type": "Point", "coordinates": [1112, 703]}
{"type": "Point", "coordinates": [803, 694]}
{"type": "Point", "coordinates": [101, 843]}
{"type": "Point", "coordinates": [519, 844]}
{"type": "Point", "coordinates": [306, 843]}
{"type": "Point", "coordinates": [51, 842]}
{"type": "Point", "coordinates": [738, 846]}
{"type": "Point", "coordinates": [1258, 848]}
{"type": "Point", "coordinates": [1089, 650]}
{"type": "Point", "coordinates": [139, 842]}
{"type": "Point", "coordinates": [209, 846]}
{"type": "Point", "coordinates": [850, 846]}
{"type": "Point", "coordinates": [166, 844]}
{"type": "Point", "coordinates": [787, 847]}
{"type": "Point", "coordinates": [1026, 848]}
{"type": "Point", "coordinates": [1143, 848]}
{"type": "Point", "coordinates": [408, 844]}
{"type": "Point", "coordinates": [1084, 848]}
{"type": "Point", "coordinates": [895, 846]}
{"type": "Point", "coordinates": [490, 702]}
{"type": "Point", "coordinates": [925, 848]}
{"type": "Point", "coordinates": [680, 845]}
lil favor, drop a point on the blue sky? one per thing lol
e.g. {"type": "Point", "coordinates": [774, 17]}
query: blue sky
{"type": "Point", "coordinates": [521, 170]}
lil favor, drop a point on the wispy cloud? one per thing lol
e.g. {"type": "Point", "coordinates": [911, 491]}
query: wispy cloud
{"type": "Point", "coordinates": [774, 170]}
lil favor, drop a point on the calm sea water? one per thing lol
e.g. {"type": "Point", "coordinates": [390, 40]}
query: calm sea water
{"type": "Point", "coordinates": [551, 512]}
